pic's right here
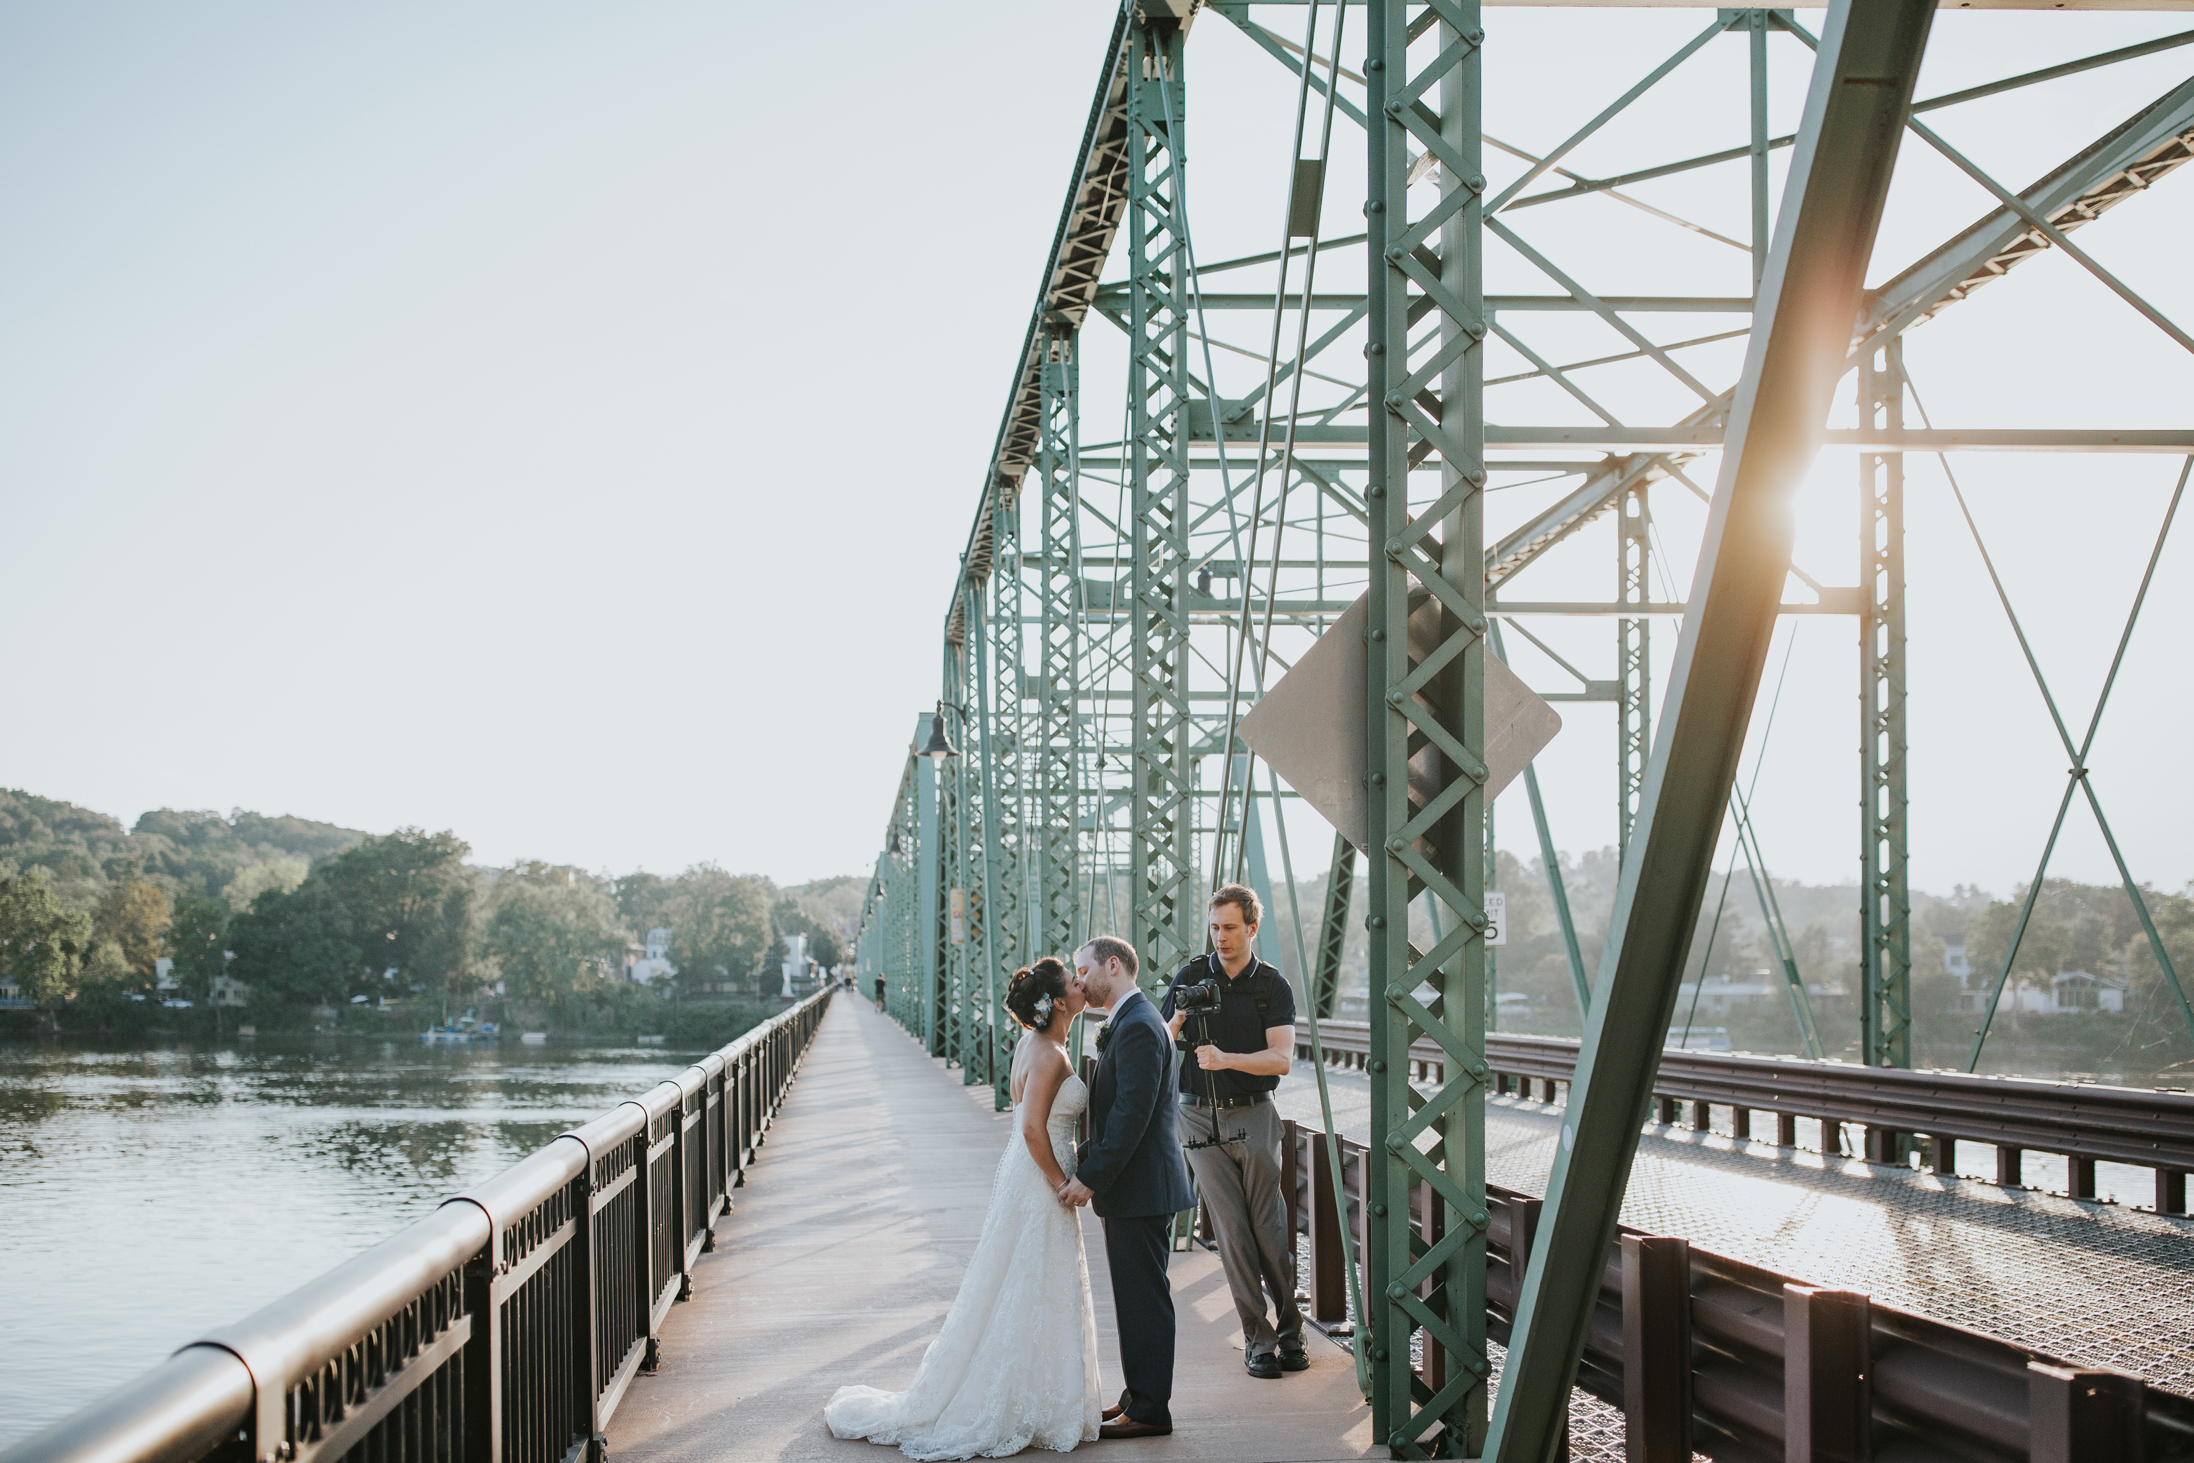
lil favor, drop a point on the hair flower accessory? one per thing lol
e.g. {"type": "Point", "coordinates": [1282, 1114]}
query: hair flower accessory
{"type": "Point", "coordinates": [1044, 1007]}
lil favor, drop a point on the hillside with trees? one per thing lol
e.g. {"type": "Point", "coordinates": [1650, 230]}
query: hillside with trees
{"type": "Point", "coordinates": [317, 921]}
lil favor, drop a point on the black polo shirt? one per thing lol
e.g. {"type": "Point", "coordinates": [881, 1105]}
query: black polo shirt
{"type": "Point", "coordinates": [1237, 1026]}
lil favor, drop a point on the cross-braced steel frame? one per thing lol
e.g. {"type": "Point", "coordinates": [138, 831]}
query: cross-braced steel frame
{"type": "Point", "coordinates": [1204, 462]}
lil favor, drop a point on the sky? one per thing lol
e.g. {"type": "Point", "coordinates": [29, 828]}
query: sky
{"type": "Point", "coordinates": [560, 423]}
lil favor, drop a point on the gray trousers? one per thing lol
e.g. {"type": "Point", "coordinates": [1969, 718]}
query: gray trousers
{"type": "Point", "coordinates": [1240, 1186]}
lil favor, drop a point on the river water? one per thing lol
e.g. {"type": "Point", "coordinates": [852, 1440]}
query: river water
{"type": "Point", "coordinates": [147, 1196]}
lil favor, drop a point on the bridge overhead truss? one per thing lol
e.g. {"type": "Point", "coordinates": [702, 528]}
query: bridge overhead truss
{"type": "Point", "coordinates": [1204, 461]}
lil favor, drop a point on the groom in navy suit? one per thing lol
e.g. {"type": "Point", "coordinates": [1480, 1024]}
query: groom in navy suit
{"type": "Point", "coordinates": [1132, 1169]}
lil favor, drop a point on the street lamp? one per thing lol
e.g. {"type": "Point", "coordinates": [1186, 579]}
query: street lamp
{"type": "Point", "coordinates": [940, 746]}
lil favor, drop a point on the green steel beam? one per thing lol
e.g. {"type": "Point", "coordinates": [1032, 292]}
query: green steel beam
{"type": "Point", "coordinates": [1425, 680]}
{"type": "Point", "coordinates": [1004, 719]}
{"type": "Point", "coordinates": [1056, 749]}
{"type": "Point", "coordinates": [1868, 59]}
{"type": "Point", "coordinates": [1885, 898]}
{"type": "Point", "coordinates": [925, 917]}
{"type": "Point", "coordinates": [1163, 913]}
{"type": "Point", "coordinates": [1333, 929]}
{"type": "Point", "coordinates": [1633, 659]}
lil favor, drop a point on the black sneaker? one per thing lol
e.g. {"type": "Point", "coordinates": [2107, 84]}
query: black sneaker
{"type": "Point", "coordinates": [1266, 1367]}
{"type": "Point", "coordinates": [1295, 1360]}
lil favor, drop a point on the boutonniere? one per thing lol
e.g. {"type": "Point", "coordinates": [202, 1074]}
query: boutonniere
{"type": "Point", "coordinates": [1104, 1034]}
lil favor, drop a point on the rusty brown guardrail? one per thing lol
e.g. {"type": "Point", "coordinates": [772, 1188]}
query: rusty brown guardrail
{"type": "Point", "coordinates": [1709, 1355]}
{"type": "Point", "coordinates": [2082, 1122]}
{"type": "Point", "coordinates": [502, 1328]}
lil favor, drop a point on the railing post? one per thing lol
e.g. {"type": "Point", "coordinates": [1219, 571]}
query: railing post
{"type": "Point", "coordinates": [1828, 1409]}
{"type": "Point", "coordinates": [2170, 1191]}
{"type": "Point", "coordinates": [1657, 1348]}
{"type": "Point", "coordinates": [1786, 1130]}
{"type": "Point", "coordinates": [2010, 1167]}
{"type": "Point", "coordinates": [483, 1377]}
{"type": "Point", "coordinates": [2079, 1176]}
{"type": "Point", "coordinates": [643, 1248]}
{"type": "Point", "coordinates": [2084, 1415]}
{"type": "Point", "coordinates": [1328, 1280]}
{"type": "Point", "coordinates": [1945, 1157]}
{"type": "Point", "coordinates": [681, 1202]}
{"type": "Point", "coordinates": [586, 1314]}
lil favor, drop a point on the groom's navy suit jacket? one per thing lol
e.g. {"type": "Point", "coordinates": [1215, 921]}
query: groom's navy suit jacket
{"type": "Point", "coordinates": [1132, 1162]}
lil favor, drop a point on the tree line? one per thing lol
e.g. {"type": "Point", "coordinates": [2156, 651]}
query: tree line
{"type": "Point", "coordinates": [85, 909]}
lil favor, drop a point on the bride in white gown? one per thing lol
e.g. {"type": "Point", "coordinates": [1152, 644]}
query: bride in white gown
{"type": "Point", "coordinates": [1015, 1365]}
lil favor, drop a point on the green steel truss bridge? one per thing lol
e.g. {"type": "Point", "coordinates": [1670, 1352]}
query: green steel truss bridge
{"type": "Point", "coordinates": [1208, 459]}
{"type": "Point", "coordinates": [1207, 456]}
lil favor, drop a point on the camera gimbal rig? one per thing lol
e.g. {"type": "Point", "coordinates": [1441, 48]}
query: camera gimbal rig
{"type": "Point", "coordinates": [1197, 1000]}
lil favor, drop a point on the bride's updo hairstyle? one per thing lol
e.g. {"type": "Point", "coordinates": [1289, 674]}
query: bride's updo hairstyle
{"type": "Point", "coordinates": [1035, 991]}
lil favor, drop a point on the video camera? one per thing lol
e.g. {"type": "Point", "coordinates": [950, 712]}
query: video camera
{"type": "Point", "coordinates": [1194, 999]}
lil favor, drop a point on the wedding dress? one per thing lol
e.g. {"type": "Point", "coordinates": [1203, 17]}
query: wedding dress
{"type": "Point", "coordinates": [1015, 1365]}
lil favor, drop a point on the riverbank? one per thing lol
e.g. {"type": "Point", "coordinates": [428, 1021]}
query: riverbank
{"type": "Point", "coordinates": [642, 1017]}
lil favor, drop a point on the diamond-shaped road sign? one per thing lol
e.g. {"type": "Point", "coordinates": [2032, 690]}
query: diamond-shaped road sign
{"type": "Point", "coordinates": [1310, 726]}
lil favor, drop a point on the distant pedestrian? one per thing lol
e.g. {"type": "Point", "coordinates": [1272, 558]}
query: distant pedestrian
{"type": "Point", "coordinates": [879, 992]}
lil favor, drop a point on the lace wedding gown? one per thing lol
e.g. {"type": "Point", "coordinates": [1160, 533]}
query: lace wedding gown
{"type": "Point", "coordinates": [1015, 1365]}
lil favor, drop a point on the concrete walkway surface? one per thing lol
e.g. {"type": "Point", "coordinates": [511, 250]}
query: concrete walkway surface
{"type": "Point", "coordinates": [843, 1254]}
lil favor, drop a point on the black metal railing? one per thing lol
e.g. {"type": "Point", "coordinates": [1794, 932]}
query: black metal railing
{"type": "Point", "coordinates": [2079, 1121]}
{"type": "Point", "coordinates": [1709, 1355]}
{"type": "Point", "coordinates": [502, 1328]}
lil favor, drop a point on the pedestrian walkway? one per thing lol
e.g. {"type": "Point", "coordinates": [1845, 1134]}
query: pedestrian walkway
{"type": "Point", "coordinates": [843, 1254]}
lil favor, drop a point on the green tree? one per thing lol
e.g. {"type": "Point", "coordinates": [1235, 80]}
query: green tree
{"type": "Point", "coordinates": [301, 945]}
{"type": "Point", "coordinates": [551, 933]}
{"type": "Point", "coordinates": [825, 947]}
{"type": "Point", "coordinates": [134, 916]}
{"type": "Point", "coordinates": [720, 925]}
{"type": "Point", "coordinates": [199, 939]}
{"type": "Point", "coordinates": [642, 899]}
{"type": "Point", "coordinates": [413, 906]}
{"type": "Point", "coordinates": [42, 945]}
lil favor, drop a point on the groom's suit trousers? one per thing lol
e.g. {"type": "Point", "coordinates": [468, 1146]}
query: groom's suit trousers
{"type": "Point", "coordinates": [1136, 1251]}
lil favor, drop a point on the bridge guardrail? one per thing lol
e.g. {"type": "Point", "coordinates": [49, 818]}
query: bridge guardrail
{"type": "Point", "coordinates": [1708, 1354]}
{"type": "Point", "coordinates": [502, 1328]}
{"type": "Point", "coordinates": [2081, 1122]}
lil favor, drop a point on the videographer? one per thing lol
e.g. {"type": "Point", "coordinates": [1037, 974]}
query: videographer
{"type": "Point", "coordinates": [1240, 1016]}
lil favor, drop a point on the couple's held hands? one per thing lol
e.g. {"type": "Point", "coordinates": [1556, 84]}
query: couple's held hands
{"type": "Point", "coordinates": [1074, 1193]}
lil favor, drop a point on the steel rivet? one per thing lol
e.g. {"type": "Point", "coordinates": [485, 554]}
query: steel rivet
{"type": "Point", "coordinates": [1378, 921]}
{"type": "Point", "coordinates": [1396, 1291]}
{"type": "Point", "coordinates": [1395, 845]}
{"type": "Point", "coordinates": [1394, 697]}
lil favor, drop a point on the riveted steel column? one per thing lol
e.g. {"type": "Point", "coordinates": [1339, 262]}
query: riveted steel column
{"type": "Point", "coordinates": [1426, 678]}
{"type": "Point", "coordinates": [952, 810]}
{"type": "Point", "coordinates": [1002, 719]}
{"type": "Point", "coordinates": [1333, 930]}
{"type": "Point", "coordinates": [1885, 915]}
{"type": "Point", "coordinates": [1633, 663]}
{"type": "Point", "coordinates": [1056, 749]}
{"type": "Point", "coordinates": [1839, 174]}
{"type": "Point", "coordinates": [1163, 917]}
{"type": "Point", "coordinates": [926, 931]}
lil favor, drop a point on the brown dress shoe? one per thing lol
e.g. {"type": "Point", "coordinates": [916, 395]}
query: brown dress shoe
{"type": "Point", "coordinates": [1128, 1427]}
{"type": "Point", "coordinates": [1114, 1411]}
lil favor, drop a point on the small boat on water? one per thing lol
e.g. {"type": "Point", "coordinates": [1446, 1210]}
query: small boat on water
{"type": "Point", "coordinates": [533, 1038]}
{"type": "Point", "coordinates": [460, 1031]}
